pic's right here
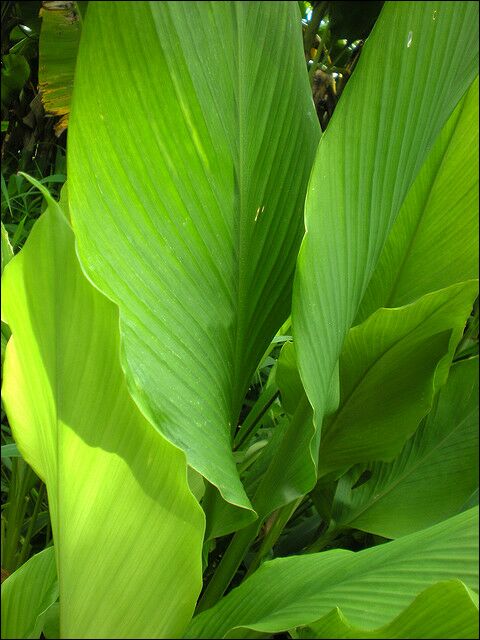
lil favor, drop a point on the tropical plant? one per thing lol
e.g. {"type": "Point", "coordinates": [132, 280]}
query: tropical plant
{"type": "Point", "coordinates": [211, 236]}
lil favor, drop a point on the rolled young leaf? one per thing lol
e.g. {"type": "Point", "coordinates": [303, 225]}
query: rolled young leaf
{"type": "Point", "coordinates": [370, 587]}
{"type": "Point", "coordinates": [118, 494]}
{"type": "Point", "coordinates": [189, 152]}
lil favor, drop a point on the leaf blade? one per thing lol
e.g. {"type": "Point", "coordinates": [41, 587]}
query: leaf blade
{"type": "Point", "coordinates": [366, 162]}
{"type": "Point", "coordinates": [127, 506]}
{"type": "Point", "coordinates": [201, 225]}
{"type": "Point", "coordinates": [309, 586]}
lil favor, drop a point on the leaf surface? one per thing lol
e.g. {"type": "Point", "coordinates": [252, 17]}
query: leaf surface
{"type": "Point", "coordinates": [186, 187]}
{"type": "Point", "coordinates": [446, 610]}
{"type": "Point", "coordinates": [367, 161]}
{"type": "Point", "coordinates": [388, 370]}
{"type": "Point", "coordinates": [118, 493]}
{"type": "Point", "coordinates": [435, 473]}
{"type": "Point", "coordinates": [370, 587]}
{"type": "Point", "coordinates": [58, 48]}
{"type": "Point", "coordinates": [434, 242]}
{"type": "Point", "coordinates": [27, 593]}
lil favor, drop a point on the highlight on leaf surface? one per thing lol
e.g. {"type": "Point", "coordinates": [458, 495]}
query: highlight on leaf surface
{"type": "Point", "coordinates": [119, 500]}
{"type": "Point", "coordinates": [201, 208]}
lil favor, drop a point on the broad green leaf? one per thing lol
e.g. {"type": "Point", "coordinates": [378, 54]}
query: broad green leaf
{"type": "Point", "coordinates": [388, 118]}
{"type": "Point", "coordinates": [189, 152]}
{"type": "Point", "coordinates": [370, 587]}
{"type": "Point", "coordinates": [445, 610]}
{"type": "Point", "coordinates": [433, 476]}
{"type": "Point", "coordinates": [58, 48]}
{"type": "Point", "coordinates": [27, 593]}
{"type": "Point", "coordinates": [434, 242]}
{"type": "Point", "coordinates": [388, 369]}
{"type": "Point", "coordinates": [119, 500]}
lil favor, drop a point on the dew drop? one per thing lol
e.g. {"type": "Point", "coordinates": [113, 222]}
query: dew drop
{"type": "Point", "coordinates": [409, 39]}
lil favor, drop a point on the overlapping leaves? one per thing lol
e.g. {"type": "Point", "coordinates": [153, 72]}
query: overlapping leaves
{"type": "Point", "coordinates": [118, 495]}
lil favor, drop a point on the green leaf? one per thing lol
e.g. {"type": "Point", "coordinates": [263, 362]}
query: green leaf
{"type": "Point", "coordinates": [27, 593]}
{"type": "Point", "coordinates": [193, 144]}
{"type": "Point", "coordinates": [58, 48]}
{"type": "Point", "coordinates": [445, 610]}
{"type": "Point", "coordinates": [434, 475]}
{"type": "Point", "coordinates": [10, 451]}
{"type": "Point", "coordinates": [15, 73]}
{"type": "Point", "coordinates": [50, 622]}
{"type": "Point", "coordinates": [118, 493]}
{"type": "Point", "coordinates": [288, 378]}
{"type": "Point", "coordinates": [368, 158]}
{"type": "Point", "coordinates": [389, 370]}
{"type": "Point", "coordinates": [370, 587]}
{"type": "Point", "coordinates": [7, 251]}
{"type": "Point", "coordinates": [434, 242]}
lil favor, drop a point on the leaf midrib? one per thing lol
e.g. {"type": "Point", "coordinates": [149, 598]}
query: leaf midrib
{"type": "Point", "coordinates": [420, 218]}
{"type": "Point", "coordinates": [366, 371]}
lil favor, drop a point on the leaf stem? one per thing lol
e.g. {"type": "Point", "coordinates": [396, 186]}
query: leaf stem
{"type": "Point", "coordinates": [282, 516]}
{"type": "Point", "coordinates": [228, 566]}
{"type": "Point", "coordinates": [31, 527]}
{"type": "Point", "coordinates": [318, 12]}
{"type": "Point", "coordinates": [265, 401]}
{"type": "Point", "coordinates": [243, 539]}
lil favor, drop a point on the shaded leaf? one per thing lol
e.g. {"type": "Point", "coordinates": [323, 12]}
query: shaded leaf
{"type": "Point", "coordinates": [433, 476]}
{"type": "Point", "coordinates": [389, 371]}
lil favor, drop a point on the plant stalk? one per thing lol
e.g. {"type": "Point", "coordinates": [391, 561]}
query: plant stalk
{"type": "Point", "coordinates": [228, 566]}
{"type": "Point", "coordinates": [243, 539]}
{"type": "Point", "coordinates": [318, 12]}
{"type": "Point", "coordinates": [31, 527]}
{"type": "Point", "coordinates": [282, 516]}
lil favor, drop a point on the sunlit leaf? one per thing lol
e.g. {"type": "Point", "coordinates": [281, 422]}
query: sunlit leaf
{"type": "Point", "coordinates": [58, 48]}
{"type": "Point", "coordinates": [434, 242]}
{"type": "Point", "coordinates": [369, 157]}
{"type": "Point", "coordinates": [370, 587]}
{"type": "Point", "coordinates": [118, 495]}
{"type": "Point", "coordinates": [186, 190]}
